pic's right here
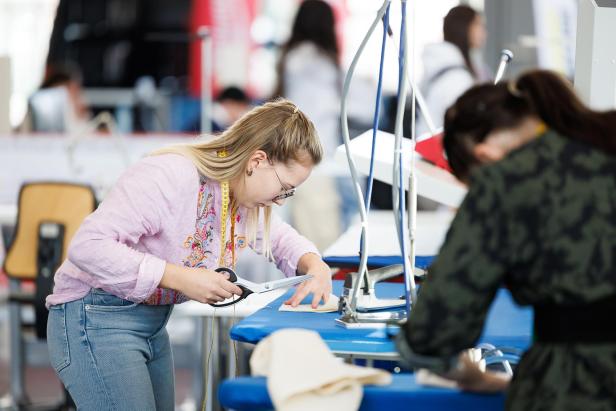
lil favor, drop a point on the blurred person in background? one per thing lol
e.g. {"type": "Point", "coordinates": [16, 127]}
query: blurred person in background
{"type": "Point", "coordinates": [228, 107]}
{"type": "Point", "coordinates": [309, 74]}
{"type": "Point", "coordinates": [231, 104]}
{"type": "Point", "coordinates": [58, 105]}
{"type": "Point", "coordinates": [452, 66]}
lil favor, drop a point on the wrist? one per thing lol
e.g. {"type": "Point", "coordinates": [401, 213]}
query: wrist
{"type": "Point", "coordinates": [171, 278]}
{"type": "Point", "coordinates": [311, 263]}
{"type": "Point", "coordinates": [497, 381]}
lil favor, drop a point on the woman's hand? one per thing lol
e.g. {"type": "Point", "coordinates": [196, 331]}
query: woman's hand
{"type": "Point", "coordinates": [320, 285]}
{"type": "Point", "coordinates": [199, 284]}
{"type": "Point", "coordinates": [470, 377]}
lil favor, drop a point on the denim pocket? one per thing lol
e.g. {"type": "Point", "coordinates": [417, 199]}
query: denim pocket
{"type": "Point", "coordinates": [57, 338]}
{"type": "Point", "coordinates": [103, 301]}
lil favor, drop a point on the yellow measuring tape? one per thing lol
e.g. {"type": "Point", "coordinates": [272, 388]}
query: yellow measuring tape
{"type": "Point", "coordinates": [224, 213]}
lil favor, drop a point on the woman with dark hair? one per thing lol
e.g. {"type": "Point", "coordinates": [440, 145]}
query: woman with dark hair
{"type": "Point", "coordinates": [451, 67]}
{"type": "Point", "coordinates": [58, 105]}
{"type": "Point", "coordinates": [309, 74]}
{"type": "Point", "coordinates": [540, 219]}
{"type": "Point", "coordinates": [490, 120]}
{"type": "Point", "coordinates": [309, 70]}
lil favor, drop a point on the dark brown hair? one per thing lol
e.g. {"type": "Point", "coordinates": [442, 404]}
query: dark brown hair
{"type": "Point", "coordinates": [545, 94]}
{"type": "Point", "coordinates": [314, 23]}
{"type": "Point", "coordinates": [456, 30]}
{"type": "Point", "coordinates": [57, 74]}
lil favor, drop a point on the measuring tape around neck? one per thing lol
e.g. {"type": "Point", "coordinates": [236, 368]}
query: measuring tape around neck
{"type": "Point", "coordinates": [224, 213]}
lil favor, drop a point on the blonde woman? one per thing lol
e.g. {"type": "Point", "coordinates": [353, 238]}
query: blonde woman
{"type": "Point", "coordinates": [155, 241]}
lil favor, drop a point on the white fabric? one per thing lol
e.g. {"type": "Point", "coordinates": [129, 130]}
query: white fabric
{"type": "Point", "coordinates": [446, 88]}
{"type": "Point", "coordinates": [329, 307]}
{"type": "Point", "coordinates": [303, 375]}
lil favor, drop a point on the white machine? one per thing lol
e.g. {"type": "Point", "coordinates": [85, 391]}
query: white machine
{"type": "Point", "coordinates": [595, 56]}
{"type": "Point", "coordinates": [433, 182]}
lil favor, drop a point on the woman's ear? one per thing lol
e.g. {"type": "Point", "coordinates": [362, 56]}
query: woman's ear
{"type": "Point", "coordinates": [256, 159]}
{"type": "Point", "coordinates": [487, 152]}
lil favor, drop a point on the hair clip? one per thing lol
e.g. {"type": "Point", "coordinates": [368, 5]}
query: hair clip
{"type": "Point", "coordinates": [222, 153]}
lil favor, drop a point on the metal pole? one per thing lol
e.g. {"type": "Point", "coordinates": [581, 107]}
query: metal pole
{"type": "Point", "coordinates": [206, 78]}
{"type": "Point", "coordinates": [18, 363]}
{"type": "Point", "coordinates": [199, 364]}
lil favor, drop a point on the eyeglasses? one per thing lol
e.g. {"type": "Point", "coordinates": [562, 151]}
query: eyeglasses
{"type": "Point", "coordinates": [285, 193]}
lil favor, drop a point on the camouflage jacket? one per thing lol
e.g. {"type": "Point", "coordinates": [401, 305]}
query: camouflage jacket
{"type": "Point", "coordinates": [543, 223]}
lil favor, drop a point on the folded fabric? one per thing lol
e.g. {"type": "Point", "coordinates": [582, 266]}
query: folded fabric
{"type": "Point", "coordinates": [330, 306]}
{"type": "Point", "coordinates": [303, 375]}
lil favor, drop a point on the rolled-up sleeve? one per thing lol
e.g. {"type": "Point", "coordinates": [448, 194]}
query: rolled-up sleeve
{"type": "Point", "coordinates": [104, 245]}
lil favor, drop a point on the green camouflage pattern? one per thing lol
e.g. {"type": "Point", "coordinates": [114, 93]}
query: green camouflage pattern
{"type": "Point", "coordinates": [543, 223]}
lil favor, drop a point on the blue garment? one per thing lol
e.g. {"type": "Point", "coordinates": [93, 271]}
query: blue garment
{"type": "Point", "coordinates": [112, 354]}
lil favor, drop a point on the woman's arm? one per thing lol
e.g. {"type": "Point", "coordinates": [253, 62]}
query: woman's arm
{"type": "Point", "coordinates": [454, 300]}
{"type": "Point", "coordinates": [137, 205]}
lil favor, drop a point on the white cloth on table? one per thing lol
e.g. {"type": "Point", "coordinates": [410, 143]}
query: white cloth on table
{"type": "Point", "coordinates": [303, 375]}
{"type": "Point", "coordinates": [330, 306]}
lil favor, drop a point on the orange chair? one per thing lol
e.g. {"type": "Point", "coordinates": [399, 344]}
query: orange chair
{"type": "Point", "coordinates": [48, 216]}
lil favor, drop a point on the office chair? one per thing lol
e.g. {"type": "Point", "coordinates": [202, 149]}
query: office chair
{"type": "Point", "coordinates": [48, 216]}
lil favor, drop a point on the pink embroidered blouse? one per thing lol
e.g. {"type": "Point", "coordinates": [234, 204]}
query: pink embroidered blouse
{"type": "Point", "coordinates": [160, 210]}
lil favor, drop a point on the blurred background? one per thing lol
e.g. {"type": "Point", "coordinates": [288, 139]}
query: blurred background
{"type": "Point", "coordinates": [120, 45]}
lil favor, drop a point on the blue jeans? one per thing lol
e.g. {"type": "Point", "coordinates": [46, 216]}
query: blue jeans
{"type": "Point", "coordinates": [112, 354]}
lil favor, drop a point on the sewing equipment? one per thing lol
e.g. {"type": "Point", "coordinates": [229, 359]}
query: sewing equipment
{"type": "Point", "coordinates": [367, 299]}
{"type": "Point", "coordinates": [409, 176]}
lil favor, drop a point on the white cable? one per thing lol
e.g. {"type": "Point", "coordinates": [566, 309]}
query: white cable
{"type": "Point", "coordinates": [412, 192]}
{"type": "Point", "coordinates": [363, 262]}
{"type": "Point", "coordinates": [489, 350]}
{"type": "Point", "coordinates": [397, 184]}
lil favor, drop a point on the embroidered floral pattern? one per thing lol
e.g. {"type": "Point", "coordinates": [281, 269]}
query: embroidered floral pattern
{"type": "Point", "coordinates": [201, 242]}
